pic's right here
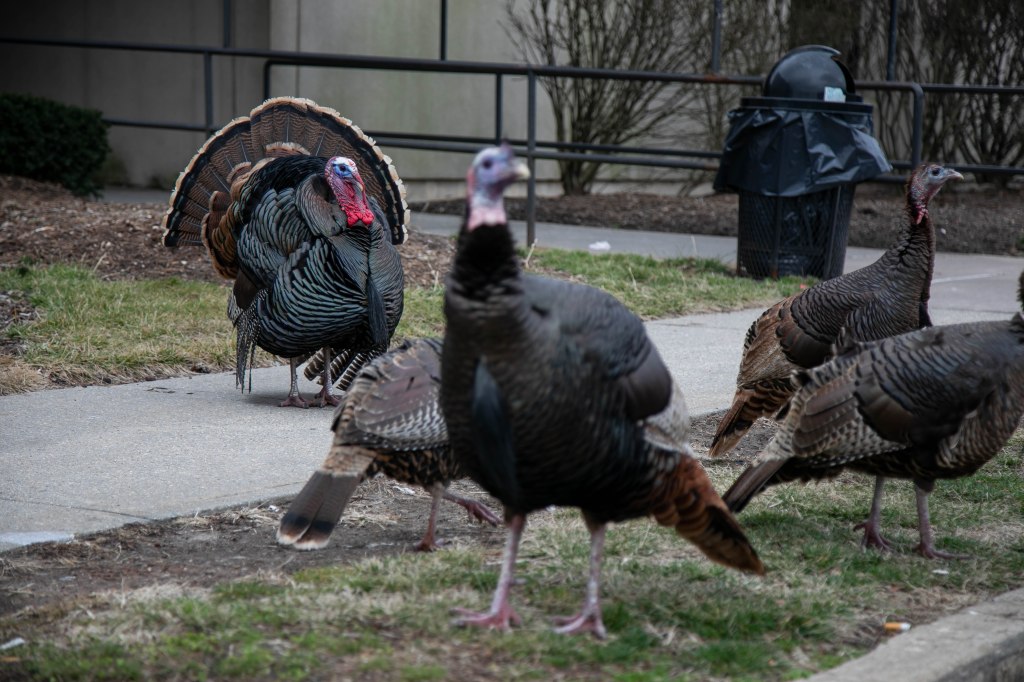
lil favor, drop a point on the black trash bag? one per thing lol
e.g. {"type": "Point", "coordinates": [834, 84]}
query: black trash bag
{"type": "Point", "coordinates": [790, 148]}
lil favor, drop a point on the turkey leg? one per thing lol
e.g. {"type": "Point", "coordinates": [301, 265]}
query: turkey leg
{"type": "Point", "coordinates": [501, 615]}
{"type": "Point", "coordinates": [589, 617]}
{"type": "Point", "coordinates": [872, 533]}
{"type": "Point", "coordinates": [926, 548]}
{"type": "Point", "coordinates": [294, 398]}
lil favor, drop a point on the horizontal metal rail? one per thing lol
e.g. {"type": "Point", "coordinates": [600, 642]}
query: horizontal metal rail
{"type": "Point", "coordinates": [532, 148]}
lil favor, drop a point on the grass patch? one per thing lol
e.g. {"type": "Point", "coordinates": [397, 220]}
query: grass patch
{"type": "Point", "coordinates": [670, 613]}
{"type": "Point", "coordinates": [656, 288]}
{"type": "Point", "coordinates": [92, 331]}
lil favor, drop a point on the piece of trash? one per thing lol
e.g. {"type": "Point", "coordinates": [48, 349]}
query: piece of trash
{"type": "Point", "coordinates": [940, 571]}
{"type": "Point", "coordinates": [600, 247]}
{"type": "Point", "coordinates": [403, 489]}
{"type": "Point", "coordinates": [893, 626]}
{"type": "Point", "coordinates": [11, 643]}
{"type": "Point", "coordinates": [273, 508]}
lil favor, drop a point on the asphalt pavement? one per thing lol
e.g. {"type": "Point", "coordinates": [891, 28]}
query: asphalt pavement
{"type": "Point", "coordinates": [79, 460]}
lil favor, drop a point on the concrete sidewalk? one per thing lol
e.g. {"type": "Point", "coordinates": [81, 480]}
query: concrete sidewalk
{"type": "Point", "coordinates": [85, 459]}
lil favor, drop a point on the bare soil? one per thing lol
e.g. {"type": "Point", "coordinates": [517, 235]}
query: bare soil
{"type": "Point", "coordinates": [43, 224]}
{"type": "Point", "coordinates": [383, 518]}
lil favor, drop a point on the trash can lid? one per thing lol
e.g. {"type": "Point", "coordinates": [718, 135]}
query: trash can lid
{"type": "Point", "coordinates": [810, 72]}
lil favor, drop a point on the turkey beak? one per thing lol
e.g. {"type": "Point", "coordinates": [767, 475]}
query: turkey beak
{"type": "Point", "coordinates": [953, 175]}
{"type": "Point", "coordinates": [519, 170]}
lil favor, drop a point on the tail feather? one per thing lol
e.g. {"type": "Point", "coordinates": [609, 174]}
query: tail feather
{"type": "Point", "coordinates": [279, 126]}
{"type": "Point", "coordinates": [698, 514]}
{"type": "Point", "coordinates": [749, 404]}
{"type": "Point", "coordinates": [317, 509]}
{"type": "Point", "coordinates": [750, 483]}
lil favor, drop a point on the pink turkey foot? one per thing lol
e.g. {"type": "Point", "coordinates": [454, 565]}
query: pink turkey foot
{"type": "Point", "coordinates": [872, 536]}
{"type": "Point", "coordinates": [294, 400]}
{"type": "Point", "coordinates": [429, 543]}
{"type": "Point", "coordinates": [501, 616]}
{"type": "Point", "coordinates": [926, 547]}
{"type": "Point", "coordinates": [582, 623]}
{"type": "Point", "coordinates": [476, 510]}
{"type": "Point", "coordinates": [325, 398]}
{"type": "Point", "coordinates": [502, 619]}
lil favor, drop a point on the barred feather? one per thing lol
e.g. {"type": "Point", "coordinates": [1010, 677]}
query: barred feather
{"type": "Point", "coordinates": [883, 299]}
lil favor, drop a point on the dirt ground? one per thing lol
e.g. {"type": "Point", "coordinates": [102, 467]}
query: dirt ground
{"type": "Point", "coordinates": [382, 518]}
{"type": "Point", "coordinates": [43, 224]}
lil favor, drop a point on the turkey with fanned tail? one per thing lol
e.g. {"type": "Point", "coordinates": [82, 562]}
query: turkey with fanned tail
{"type": "Point", "coordinates": [930, 404]}
{"type": "Point", "coordinates": [280, 200]}
{"type": "Point", "coordinates": [554, 395]}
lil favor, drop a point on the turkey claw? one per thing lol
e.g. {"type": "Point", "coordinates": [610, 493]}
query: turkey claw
{"type": "Point", "coordinates": [294, 401]}
{"type": "Point", "coordinates": [872, 538]}
{"type": "Point", "coordinates": [932, 553]}
{"type": "Point", "coordinates": [580, 624]}
{"type": "Point", "coordinates": [501, 620]}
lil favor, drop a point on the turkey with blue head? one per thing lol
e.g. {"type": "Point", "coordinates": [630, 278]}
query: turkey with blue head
{"type": "Point", "coordinates": [554, 395]}
{"type": "Point", "coordinates": [302, 211]}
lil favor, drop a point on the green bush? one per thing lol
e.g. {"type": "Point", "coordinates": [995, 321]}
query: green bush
{"type": "Point", "coordinates": [47, 140]}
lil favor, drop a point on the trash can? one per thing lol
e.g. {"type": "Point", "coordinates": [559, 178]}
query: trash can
{"type": "Point", "coordinates": [795, 156]}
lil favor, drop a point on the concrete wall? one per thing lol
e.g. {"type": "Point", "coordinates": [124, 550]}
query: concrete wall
{"type": "Point", "coordinates": [167, 87]}
{"type": "Point", "coordinates": [431, 103]}
{"type": "Point", "coordinates": [136, 85]}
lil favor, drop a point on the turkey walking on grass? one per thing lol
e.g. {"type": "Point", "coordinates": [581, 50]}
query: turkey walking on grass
{"type": "Point", "coordinates": [554, 395]}
{"type": "Point", "coordinates": [390, 422]}
{"type": "Point", "coordinates": [886, 298]}
{"type": "Point", "coordinates": [930, 404]}
{"type": "Point", "coordinates": [280, 200]}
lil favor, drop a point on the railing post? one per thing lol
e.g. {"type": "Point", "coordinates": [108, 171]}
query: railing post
{"type": "Point", "coordinates": [208, 91]}
{"type": "Point", "coordinates": [498, 106]}
{"type": "Point", "coordinates": [915, 143]}
{"type": "Point", "coordinates": [890, 59]}
{"type": "Point", "coordinates": [444, 30]}
{"type": "Point", "coordinates": [716, 38]}
{"type": "Point", "coordinates": [531, 146]}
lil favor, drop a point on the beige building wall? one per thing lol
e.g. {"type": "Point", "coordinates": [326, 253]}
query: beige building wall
{"type": "Point", "coordinates": [169, 87]}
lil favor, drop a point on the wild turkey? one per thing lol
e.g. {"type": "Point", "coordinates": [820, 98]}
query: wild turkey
{"type": "Point", "coordinates": [554, 395]}
{"type": "Point", "coordinates": [930, 404]}
{"type": "Point", "coordinates": [390, 422]}
{"type": "Point", "coordinates": [279, 201]}
{"type": "Point", "coordinates": [886, 298]}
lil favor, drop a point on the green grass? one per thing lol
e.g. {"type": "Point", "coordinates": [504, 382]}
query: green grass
{"type": "Point", "coordinates": [92, 331]}
{"type": "Point", "coordinates": [671, 614]}
{"type": "Point", "coordinates": [656, 288]}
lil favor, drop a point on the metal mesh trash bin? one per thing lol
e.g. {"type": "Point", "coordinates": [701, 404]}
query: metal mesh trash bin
{"type": "Point", "coordinates": [795, 156]}
{"type": "Point", "coordinates": [801, 235]}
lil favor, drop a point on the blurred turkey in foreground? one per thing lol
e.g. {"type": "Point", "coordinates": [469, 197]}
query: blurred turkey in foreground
{"type": "Point", "coordinates": [389, 421]}
{"type": "Point", "coordinates": [279, 201]}
{"type": "Point", "coordinates": [883, 299]}
{"type": "Point", "coordinates": [554, 395]}
{"type": "Point", "coordinates": [931, 404]}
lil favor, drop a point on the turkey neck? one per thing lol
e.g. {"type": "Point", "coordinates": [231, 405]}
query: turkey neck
{"type": "Point", "coordinates": [485, 263]}
{"type": "Point", "coordinates": [914, 249]}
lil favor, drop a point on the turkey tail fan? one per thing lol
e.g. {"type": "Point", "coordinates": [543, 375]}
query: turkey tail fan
{"type": "Point", "coordinates": [315, 367]}
{"type": "Point", "coordinates": [316, 510]}
{"type": "Point", "coordinates": [698, 514]}
{"type": "Point", "coordinates": [344, 366]}
{"type": "Point", "coordinates": [278, 127]}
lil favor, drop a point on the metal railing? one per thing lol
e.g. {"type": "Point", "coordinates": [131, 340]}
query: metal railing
{"type": "Point", "coordinates": [530, 147]}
